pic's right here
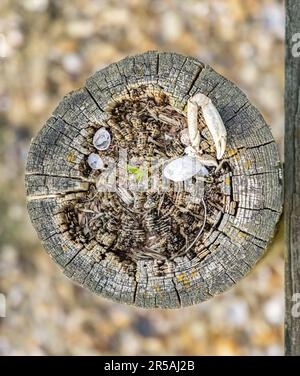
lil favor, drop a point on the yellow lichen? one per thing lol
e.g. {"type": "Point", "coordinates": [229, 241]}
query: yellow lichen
{"type": "Point", "coordinates": [242, 234]}
{"type": "Point", "coordinates": [231, 152]}
{"type": "Point", "coordinates": [157, 288]}
{"type": "Point", "coordinates": [194, 273]}
{"type": "Point", "coordinates": [71, 157]}
{"type": "Point", "coordinates": [180, 277]}
{"type": "Point", "coordinates": [184, 278]}
{"type": "Point", "coordinates": [247, 163]}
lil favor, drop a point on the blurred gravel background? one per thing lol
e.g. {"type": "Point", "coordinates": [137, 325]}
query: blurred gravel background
{"type": "Point", "coordinates": [48, 48]}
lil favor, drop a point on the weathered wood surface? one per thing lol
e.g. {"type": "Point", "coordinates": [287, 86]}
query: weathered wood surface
{"type": "Point", "coordinates": [292, 180]}
{"type": "Point", "coordinates": [236, 243]}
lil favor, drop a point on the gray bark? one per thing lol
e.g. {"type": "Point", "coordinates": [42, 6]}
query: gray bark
{"type": "Point", "coordinates": [292, 180]}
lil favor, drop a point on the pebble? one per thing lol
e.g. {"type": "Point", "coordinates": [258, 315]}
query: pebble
{"type": "Point", "coordinates": [35, 5]}
{"type": "Point", "coordinates": [72, 63]}
{"type": "Point", "coordinates": [171, 26]}
{"type": "Point", "coordinates": [273, 18]}
{"type": "Point", "coordinates": [80, 28]}
{"type": "Point", "coordinates": [144, 327]}
{"type": "Point", "coordinates": [273, 309]}
{"type": "Point", "coordinates": [237, 312]}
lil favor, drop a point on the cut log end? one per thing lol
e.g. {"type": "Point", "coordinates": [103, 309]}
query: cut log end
{"type": "Point", "coordinates": [153, 248]}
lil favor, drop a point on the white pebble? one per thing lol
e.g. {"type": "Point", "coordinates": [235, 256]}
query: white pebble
{"type": "Point", "coordinates": [35, 5]}
{"type": "Point", "coordinates": [72, 63]}
{"type": "Point", "coordinates": [95, 162]}
{"type": "Point", "coordinates": [273, 310]}
{"type": "Point", "coordinates": [237, 312]}
{"type": "Point", "coordinates": [102, 139]}
{"type": "Point", "coordinates": [171, 26]}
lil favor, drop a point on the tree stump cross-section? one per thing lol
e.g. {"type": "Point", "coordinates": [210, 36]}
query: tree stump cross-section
{"type": "Point", "coordinates": [146, 251]}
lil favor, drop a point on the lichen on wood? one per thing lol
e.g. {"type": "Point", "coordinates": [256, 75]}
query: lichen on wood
{"type": "Point", "coordinates": [156, 250]}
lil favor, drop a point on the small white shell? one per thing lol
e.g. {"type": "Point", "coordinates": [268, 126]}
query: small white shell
{"type": "Point", "coordinates": [101, 139]}
{"type": "Point", "coordinates": [184, 168]}
{"type": "Point", "coordinates": [95, 162]}
{"type": "Point", "coordinates": [213, 121]}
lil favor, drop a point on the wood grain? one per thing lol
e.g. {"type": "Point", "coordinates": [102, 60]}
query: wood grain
{"type": "Point", "coordinates": [237, 241]}
{"type": "Point", "coordinates": [292, 180]}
